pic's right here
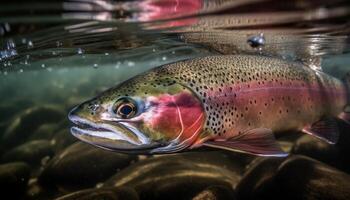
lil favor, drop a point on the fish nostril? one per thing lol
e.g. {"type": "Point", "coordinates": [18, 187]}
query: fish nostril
{"type": "Point", "coordinates": [93, 107]}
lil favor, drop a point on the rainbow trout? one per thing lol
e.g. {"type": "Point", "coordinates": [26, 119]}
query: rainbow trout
{"type": "Point", "coordinates": [231, 102]}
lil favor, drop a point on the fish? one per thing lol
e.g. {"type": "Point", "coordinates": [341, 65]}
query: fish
{"type": "Point", "coordinates": [231, 102]}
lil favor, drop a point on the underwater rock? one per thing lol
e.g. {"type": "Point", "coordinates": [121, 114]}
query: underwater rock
{"type": "Point", "coordinates": [81, 165]}
{"type": "Point", "coordinates": [13, 179]}
{"type": "Point", "coordinates": [344, 147]}
{"type": "Point", "coordinates": [36, 192]}
{"type": "Point", "coordinates": [298, 177]}
{"type": "Point", "coordinates": [122, 193]}
{"type": "Point", "coordinates": [44, 131]}
{"type": "Point", "coordinates": [27, 122]}
{"type": "Point", "coordinates": [318, 149]}
{"type": "Point", "coordinates": [62, 139]}
{"type": "Point", "coordinates": [8, 111]}
{"type": "Point", "coordinates": [301, 177]}
{"type": "Point", "coordinates": [215, 193]}
{"type": "Point", "coordinates": [335, 155]}
{"type": "Point", "coordinates": [256, 181]}
{"type": "Point", "coordinates": [181, 176]}
{"type": "Point", "coordinates": [31, 152]}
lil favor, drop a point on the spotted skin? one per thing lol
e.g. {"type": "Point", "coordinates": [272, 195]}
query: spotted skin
{"type": "Point", "coordinates": [243, 92]}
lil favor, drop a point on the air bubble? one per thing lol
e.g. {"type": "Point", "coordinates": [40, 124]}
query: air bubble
{"type": "Point", "coordinates": [80, 51]}
{"type": "Point", "coordinates": [257, 41]}
{"type": "Point", "coordinates": [24, 40]}
{"type": "Point", "coordinates": [30, 44]}
{"type": "Point", "coordinates": [131, 64]}
{"type": "Point", "coordinates": [58, 43]}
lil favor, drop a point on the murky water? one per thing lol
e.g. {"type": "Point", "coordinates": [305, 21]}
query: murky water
{"type": "Point", "coordinates": [55, 55]}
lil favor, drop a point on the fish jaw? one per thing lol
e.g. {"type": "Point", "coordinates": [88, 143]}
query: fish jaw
{"type": "Point", "coordinates": [115, 137]}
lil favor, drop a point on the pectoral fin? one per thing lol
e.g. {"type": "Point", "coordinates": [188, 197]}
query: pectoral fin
{"type": "Point", "coordinates": [259, 142]}
{"type": "Point", "coordinates": [345, 116]}
{"type": "Point", "coordinates": [326, 129]}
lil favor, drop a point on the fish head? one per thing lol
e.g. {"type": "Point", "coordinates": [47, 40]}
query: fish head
{"type": "Point", "coordinates": [141, 116]}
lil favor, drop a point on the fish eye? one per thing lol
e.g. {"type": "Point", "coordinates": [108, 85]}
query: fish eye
{"type": "Point", "coordinates": [125, 108]}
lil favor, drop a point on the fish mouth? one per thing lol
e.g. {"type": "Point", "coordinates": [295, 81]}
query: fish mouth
{"type": "Point", "coordinates": [117, 137]}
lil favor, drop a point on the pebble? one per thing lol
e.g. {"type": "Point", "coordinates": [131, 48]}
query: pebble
{"type": "Point", "coordinates": [335, 155]}
{"type": "Point", "coordinates": [13, 179]}
{"type": "Point", "coordinates": [27, 122]}
{"type": "Point", "coordinates": [180, 176]}
{"type": "Point", "coordinates": [297, 177]}
{"type": "Point", "coordinates": [62, 139]}
{"type": "Point", "coordinates": [318, 149]}
{"type": "Point", "coordinates": [81, 166]}
{"type": "Point", "coordinates": [122, 193]}
{"type": "Point", "coordinates": [44, 131]}
{"type": "Point", "coordinates": [31, 152]}
{"type": "Point", "coordinates": [301, 177]}
{"type": "Point", "coordinates": [216, 193]}
{"type": "Point", "coordinates": [256, 180]}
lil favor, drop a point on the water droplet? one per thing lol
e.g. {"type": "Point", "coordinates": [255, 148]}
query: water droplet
{"type": "Point", "coordinates": [154, 50]}
{"type": "Point", "coordinates": [10, 44]}
{"type": "Point", "coordinates": [54, 53]}
{"type": "Point", "coordinates": [95, 65]}
{"type": "Point", "coordinates": [106, 54]}
{"type": "Point", "coordinates": [131, 64]}
{"type": "Point", "coordinates": [30, 44]}
{"type": "Point", "coordinates": [80, 51]}
{"type": "Point", "coordinates": [117, 65]}
{"type": "Point", "coordinates": [256, 41]}
{"type": "Point", "coordinates": [58, 43]}
{"type": "Point", "coordinates": [21, 70]}
{"type": "Point", "coordinates": [24, 40]}
{"type": "Point", "coordinates": [164, 58]}
{"type": "Point", "coordinates": [7, 27]}
{"type": "Point", "coordinates": [5, 73]}
{"type": "Point", "coordinates": [43, 65]}
{"type": "Point", "coordinates": [99, 185]}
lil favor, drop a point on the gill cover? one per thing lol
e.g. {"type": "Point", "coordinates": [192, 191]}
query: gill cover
{"type": "Point", "coordinates": [150, 119]}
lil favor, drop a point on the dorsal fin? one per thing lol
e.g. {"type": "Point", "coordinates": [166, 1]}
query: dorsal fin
{"type": "Point", "coordinates": [325, 129]}
{"type": "Point", "coordinates": [258, 141]}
